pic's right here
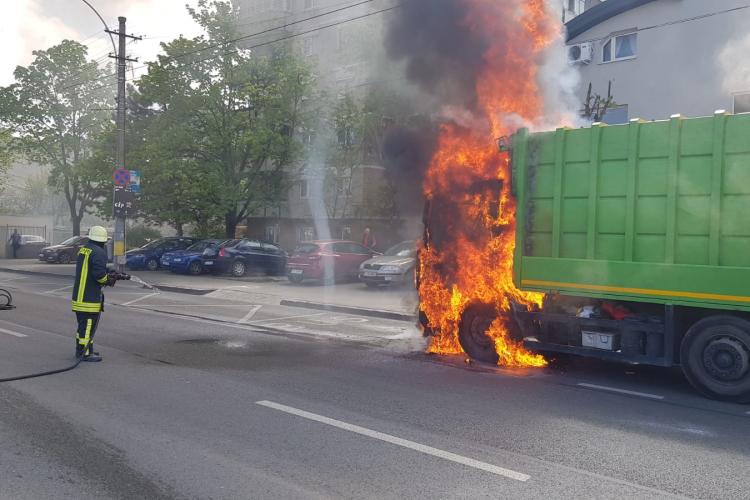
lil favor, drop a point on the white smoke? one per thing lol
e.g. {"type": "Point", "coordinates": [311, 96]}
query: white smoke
{"type": "Point", "coordinates": [734, 64]}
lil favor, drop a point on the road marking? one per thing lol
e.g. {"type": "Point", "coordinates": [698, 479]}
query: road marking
{"type": "Point", "coordinates": [621, 391]}
{"type": "Point", "coordinates": [428, 450]}
{"type": "Point", "coordinates": [59, 289]}
{"type": "Point", "coordinates": [15, 334]}
{"type": "Point", "coordinates": [250, 314]}
{"type": "Point", "coordinates": [284, 318]}
{"type": "Point", "coordinates": [139, 299]}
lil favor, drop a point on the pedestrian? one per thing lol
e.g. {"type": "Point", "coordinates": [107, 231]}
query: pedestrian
{"type": "Point", "coordinates": [88, 300]}
{"type": "Point", "coordinates": [15, 242]}
{"type": "Point", "coordinates": [368, 239]}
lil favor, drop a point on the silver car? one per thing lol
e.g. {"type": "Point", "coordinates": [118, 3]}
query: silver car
{"type": "Point", "coordinates": [395, 266]}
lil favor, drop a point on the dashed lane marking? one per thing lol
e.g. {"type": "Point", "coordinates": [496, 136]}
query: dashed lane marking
{"type": "Point", "coordinates": [620, 391]}
{"type": "Point", "coordinates": [15, 334]}
{"type": "Point", "coordinates": [59, 289]}
{"type": "Point", "coordinates": [405, 443]}
{"type": "Point", "coordinates": [143, 297]}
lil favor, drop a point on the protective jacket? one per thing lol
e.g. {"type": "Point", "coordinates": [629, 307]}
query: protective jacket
{"type": "Point", "coordinates": [91, 276]}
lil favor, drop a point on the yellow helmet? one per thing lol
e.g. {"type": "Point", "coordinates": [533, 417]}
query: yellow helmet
{"type": "Point", "coordinates": [98, 233]}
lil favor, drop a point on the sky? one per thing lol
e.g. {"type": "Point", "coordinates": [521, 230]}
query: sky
{"type": "Point", "coordinates": [30, 25]}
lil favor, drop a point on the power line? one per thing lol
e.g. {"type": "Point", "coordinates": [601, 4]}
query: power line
{"type": "Point", "coordinates": [672, 23]}
{"type": "Point", "coordinates": [258, 45]}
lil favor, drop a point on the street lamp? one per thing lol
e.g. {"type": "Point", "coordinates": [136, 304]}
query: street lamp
{"type": "Point", "coordinates": [106, 28]}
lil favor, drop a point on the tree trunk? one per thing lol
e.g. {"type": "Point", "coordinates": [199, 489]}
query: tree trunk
{"type": "Point", "coordinates": [76, 221]}
{"type": "Point", "coordinates": [230, 223]}
{"type": "Point", "coordinates": [178, 228]}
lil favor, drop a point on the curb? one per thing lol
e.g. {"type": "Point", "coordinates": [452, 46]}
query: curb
{"type": "Point", "coordinates": [35, 273]}
{"type": "Point", "coordinates": [179, 289]}
{"type": "Point", "coordinates": [375, 313]}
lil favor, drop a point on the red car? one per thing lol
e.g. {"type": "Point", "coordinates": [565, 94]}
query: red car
{"type": "Point", "coordinates": [327, 260]}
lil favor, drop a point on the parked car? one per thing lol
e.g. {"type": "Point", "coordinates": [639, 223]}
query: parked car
{"type": "Point", "coordinates": [239, 256]}
{"type": "Point", "coordinates": [327, 260]}
{"type": "Point", "coordinates": [148, 256]}
{"type": "Point", "coordinates": [395, 266]}
{"type": "Point", "coordinates": [30, 247]}
{"type": "Point", "coordinates": [65, 252]}
{"type": "Point", "coordinates": [191, 260]}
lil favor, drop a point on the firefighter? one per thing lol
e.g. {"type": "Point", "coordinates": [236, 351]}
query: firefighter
{"type": "Point", "coordinates": [88, 300]}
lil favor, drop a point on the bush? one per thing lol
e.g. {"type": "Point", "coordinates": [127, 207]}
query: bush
{"type": "Point", "coordinates": [137, 236]}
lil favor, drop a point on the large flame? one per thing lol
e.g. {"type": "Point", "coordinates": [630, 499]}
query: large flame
{"type": "Point", "coordinates": [475, 265]}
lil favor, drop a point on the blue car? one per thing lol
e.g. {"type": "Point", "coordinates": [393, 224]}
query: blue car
{"type": "Point", "coordinates": [148, 256]}
{"type": "Point", "coordinates": [192, 259]}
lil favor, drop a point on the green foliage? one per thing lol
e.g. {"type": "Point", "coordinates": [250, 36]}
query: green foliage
{"type": "Point", "coordinates": [54, 110]}
{"type": "Point", "coordinates": [139, 235]}
{"type": "Point", "coordinates": [216, 125]}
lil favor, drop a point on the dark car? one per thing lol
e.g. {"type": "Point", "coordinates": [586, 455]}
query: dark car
{"type": "Point", "coordinates": [148, 256]}
{"type": "Point", "coordinates": [191, 260]}
{"type": "Point", "coordinates": [239, 256]}
{"type": "Point", "coordinates": [64, 253]}
{"type": "Point", "coordinates": [327, 260]}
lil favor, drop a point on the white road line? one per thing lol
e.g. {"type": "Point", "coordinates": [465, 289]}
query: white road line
{"type": "Point", "coordinates": [139, 299]}
{"type": "Point", "coordinates": [59, 289]}
{"type": "Point", "coordinates": [621, 391]}
{"type": "Point", "coordinates": [428, 450]}
{"type": "Point", "coordinates": [15, 334]}
{"type": "Point", "coordinates": [284, 318]}
{"type": "Point", "coordinates": [250, 314]}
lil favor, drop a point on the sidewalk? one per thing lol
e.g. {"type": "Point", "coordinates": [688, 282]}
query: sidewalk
{"type": "Point", "coordinates": [393, 303]}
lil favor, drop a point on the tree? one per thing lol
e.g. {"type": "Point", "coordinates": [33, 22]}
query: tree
{"type": "Point", "coordinates": [221, 115]}
{"type": "Point", "coordinates": [56, 110]}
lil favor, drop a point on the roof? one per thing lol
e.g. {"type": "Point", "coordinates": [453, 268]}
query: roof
{"type": "Point", "coordinates": [598, 14]}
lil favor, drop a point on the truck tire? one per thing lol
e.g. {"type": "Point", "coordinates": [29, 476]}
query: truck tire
{"type": "Point", "coordinates": [472, 333]}
{"type": "Point", "coordinates": [715, 358]}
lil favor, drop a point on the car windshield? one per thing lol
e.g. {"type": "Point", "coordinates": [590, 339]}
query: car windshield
{"type": "Point", "coordinates": [306, 248]}
{"type": "Point", "coordinates": [71, 241]}
{"type": "Point", "coordinates": [152, 244]}
{"type": "Point", "coordinates": [403, 249]}
{"type": "Point", "coordinates": [200, 246]}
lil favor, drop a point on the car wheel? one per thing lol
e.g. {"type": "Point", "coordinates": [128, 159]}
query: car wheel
{"type": "Point", "coordinates": [295, 278]}
{"type": "Point", "coordinates": [715, 358]}
{"type": "Point", "coordinates": [371, 284]}
{"type": "Point", "coordinates": [238, 269]}
{"type": "Point", "coordinates": [64, 258]}
{"type": "Point", "coordinates": [472, 333]}
{"type": "Point", "coordinates": [195, 268]}
{"type": "Point", "coordinates": [152, 264]}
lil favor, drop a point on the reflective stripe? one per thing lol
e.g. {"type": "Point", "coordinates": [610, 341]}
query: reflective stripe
{"type": "Point", "coordinates": [87, 335]}
{"type": "Point", "coordinates": [102, 280]}
{"type": "Point", "coordinates": [93, 307]}
{"type": "Point", "coordinates": [84, 273]}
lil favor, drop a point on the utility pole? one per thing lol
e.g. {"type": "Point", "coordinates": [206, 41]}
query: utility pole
{"type": "Point", "coordinates": [121, 57]}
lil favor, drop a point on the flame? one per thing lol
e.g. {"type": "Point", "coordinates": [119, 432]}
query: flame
{"type": "Point", "coordinates": [475, 264]}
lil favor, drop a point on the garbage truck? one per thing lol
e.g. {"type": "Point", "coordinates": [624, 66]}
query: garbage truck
{"type": "Point", "coordinates": [639, 237]}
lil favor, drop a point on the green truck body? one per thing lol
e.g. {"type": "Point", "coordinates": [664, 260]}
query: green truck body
{"type": "Point", "coordinates": [652, 218]}
{"type": "Point", "coordinates": [655, 211]}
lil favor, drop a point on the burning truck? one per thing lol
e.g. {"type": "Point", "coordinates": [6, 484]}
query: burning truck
{"type": "Point", "coordinates": [627, 243]}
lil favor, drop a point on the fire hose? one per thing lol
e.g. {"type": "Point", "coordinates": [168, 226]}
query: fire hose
{"type": "Point", "coordinates": [6, 303]}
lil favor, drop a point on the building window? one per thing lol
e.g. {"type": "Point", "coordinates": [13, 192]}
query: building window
{"type": "Point", "coordinates": [616, 115]}
{"type": "Point", "coordinates": [741, 103]}
{"type": "Point", "coordinates": [346, 233]}
{"type": "Point", "coordinates": [620, 47]}
{"type": "Point", "coordinates": [308, 46]}
{"type": "Point", "coordinates": [306, 233]}
{"type": "Point", "coordinates": [303, 189]}
{"type": "Point", "coordinates": [272, 233]}
{"type": "Point", "coordinates": [343, 187]}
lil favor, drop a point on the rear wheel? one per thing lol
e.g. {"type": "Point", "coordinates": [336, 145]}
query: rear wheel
{"type": "Point", "coordinates": [152, 264]}
{"type": "Point", "coordinates": [195, 268]}
{"type": "Point", "coordinates": [715, 357]}
{"type": "Point", "coordinates": [238, 269]}
{"type": "Point", "coordinates": [472, 333]}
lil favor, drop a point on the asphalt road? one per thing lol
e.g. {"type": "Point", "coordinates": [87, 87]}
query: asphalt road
{"type": "Point", "coordinates": [201, 399]}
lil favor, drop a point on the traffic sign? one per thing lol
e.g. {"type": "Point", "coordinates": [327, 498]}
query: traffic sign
{"type": "Point", "coordinates": [122, 177]}
{"type": "Point", "coordinates": [134, 184]}
{"type": "Point", "coordinates": [124, 202]}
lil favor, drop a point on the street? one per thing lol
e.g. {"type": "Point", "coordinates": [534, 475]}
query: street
{"type": "Point", "coordinates": [288, 402]}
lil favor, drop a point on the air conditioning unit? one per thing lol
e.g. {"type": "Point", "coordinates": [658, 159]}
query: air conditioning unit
{"type": "Point", "coordinates": [580, 53]}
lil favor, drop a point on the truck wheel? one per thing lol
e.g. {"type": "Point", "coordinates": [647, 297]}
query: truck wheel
{"type": "Point", "coordinates": [472, 333]}
{"type": "Point", "coordinates": [715, 357]}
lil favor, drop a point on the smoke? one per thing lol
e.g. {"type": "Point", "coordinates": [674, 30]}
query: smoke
{"type": "Point", "coordinates": [734, 65]}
